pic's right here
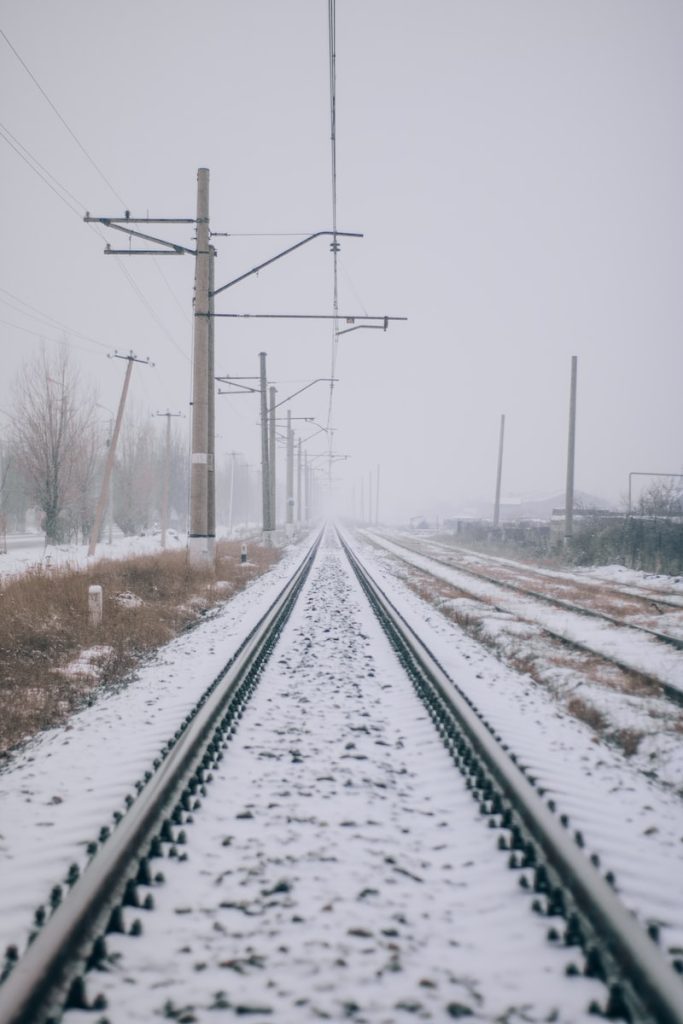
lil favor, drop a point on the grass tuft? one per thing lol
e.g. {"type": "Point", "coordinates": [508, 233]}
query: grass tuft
{"type": "Point", "coordinates": [44, 627]}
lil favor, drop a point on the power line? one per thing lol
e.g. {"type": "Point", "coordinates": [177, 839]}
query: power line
{"type": "Point", "coordinates": [173, 295]}
{"type": "Point", "coordinates": [66, 125]}
{"type": "Point", "coordinates": [35, 170]}
{"type": "Point", "coordinates": [43, 337]}
{"type": "Point", "coordinates": [349, 280]}
{"type": "Point", "coordinates": [52, 321]}
{"type": "Point", "coordinates": [79, 213]}
{"type": "Point", "coordinates": [332, 46]}
{"type": "Point", "coordinates": [5, 129]}
{"type": "Point", "coordinates": [150, 309]}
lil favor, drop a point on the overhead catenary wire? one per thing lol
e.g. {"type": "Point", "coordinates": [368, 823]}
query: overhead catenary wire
{"type": "Point", "coordinates": [40, 170]}
{"type": "Point", "coordinates": [45, 175]}
{"type": "Point", "coordinates": [149, 307]}
{"type": "Point", "coordinates": [61, 118]}
{"type": "Point", "coordinates": [35, 164]}
{"type": "Point", "coordinates": [332, 45]}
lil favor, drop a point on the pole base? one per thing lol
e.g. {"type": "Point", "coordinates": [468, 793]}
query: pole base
{"type": "Point", "coordinates": [201, 551]}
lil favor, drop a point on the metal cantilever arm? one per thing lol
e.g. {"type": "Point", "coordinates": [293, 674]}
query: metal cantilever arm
{"type": "Point", "coordinates": [367, 327]}
{"type": "Point", "coordinates": [305, 388]}
{"type": "Point", "coordinates": [176, 250]}
{"type": "Point", "coordinates": [285, 252]}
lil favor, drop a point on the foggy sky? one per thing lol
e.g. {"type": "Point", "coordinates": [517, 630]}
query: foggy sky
{"type": "Point", "coordinates": [514, 165]}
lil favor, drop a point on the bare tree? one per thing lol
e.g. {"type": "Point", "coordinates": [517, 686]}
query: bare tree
{"type": "Point", "coordinates": [4, 470]}
{"type": "Point", "coordinates": [137, 475]}
{"type": "Point", "coordinates": [53, 440]}
{"type": "Point", "coordinates": [662, 498]}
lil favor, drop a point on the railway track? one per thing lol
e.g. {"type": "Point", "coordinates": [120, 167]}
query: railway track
{"type": "Point", "coordinates": [645, 597]}
{"type": "Point", "coordinates": [631, 601]}
{"type": "Point", "coordinates": [630, 978]}
{"type": "Point", "coordinates": [642, 648]}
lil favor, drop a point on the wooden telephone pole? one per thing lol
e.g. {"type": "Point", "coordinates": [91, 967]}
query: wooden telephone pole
{"type": "Point", "coordinates": [202, 534]}
{"type": "Point", "coordinates": [111, 454]}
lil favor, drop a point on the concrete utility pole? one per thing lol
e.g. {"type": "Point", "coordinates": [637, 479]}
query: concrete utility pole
{"type": "Point", "coordinates": [290, 476]}
{"type": "Point", "coordinates": [362, 500]}
{"type": "Point", "coordinates": [569, 495]}
{"type": "Point", "coordinates": [167, 474]}
{"type": "Point", "coordinates": [111, 454]}
{"type": "Point", "coordinates": [377, 500]}
{"type": "Point", "coordinates": [265, 450]}
{"type": "Point", "coordinates": [231, 499]}
{"type": "Point", "coordinates": [202, 524]}
{"type": "Point", "coordinates": [271, 456]}
{"type": "Point", "coordinates": [499, 474]}
{"type": "Point", "coordinates": [211, 404]}
{"type": "Point", "coordinates": [202, 533]}
{"type": "Point", "coordinates": [299, 467]}
{"type": "Point", "coordinates": [307, 490]}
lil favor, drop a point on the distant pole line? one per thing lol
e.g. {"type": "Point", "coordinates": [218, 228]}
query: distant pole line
{"type": "Point", "coordinates": [499, 472]}
{"type": "Point", "coordinates": [571, 448]}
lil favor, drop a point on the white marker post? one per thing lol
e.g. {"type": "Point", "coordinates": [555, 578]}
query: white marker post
{"type": "Point", "coordinates": [95, 604]}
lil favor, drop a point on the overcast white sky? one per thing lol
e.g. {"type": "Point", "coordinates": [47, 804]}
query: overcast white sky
{"type": "Point", "coordinates": [514, 165]}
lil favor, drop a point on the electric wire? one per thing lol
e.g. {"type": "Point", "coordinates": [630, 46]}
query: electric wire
{"type": "Point", "coordinates": [44, 337]}
{"type": "Point", "coordinates": [28, 158]}
{"type": "Point", "coordinates": [136, 288]}
{"type": "Point", "coordinates": [35, 164]}
{"type": "Point", "coordinates": [149, 307]}
{"type": "Point", "coordinates": [186, 315]}
{"type": "Point", "coordinates": [332, 44]}
{"type": "Point", "coordinates": [66, 125]}
{"type": "Point", "coordinates": [349, 280]}
{"type": "Point", "coordinates": [51, 321]}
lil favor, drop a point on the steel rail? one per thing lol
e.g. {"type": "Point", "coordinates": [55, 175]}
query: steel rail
{"type": "Point", "coordinates": [39, 985]}
{"type": "Point", "coordinates": [559, 602]}
{"type": "Point", "coordinates": [653, 597]}
{"type": "Point", "coordinates": [673, 693]}
{"type": "Point", "coordinates": [642, 985]}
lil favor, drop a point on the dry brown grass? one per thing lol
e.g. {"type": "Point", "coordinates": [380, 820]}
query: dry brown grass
{"type": "Point", "coordinates": [44, 626]}
{"type": "Point", "coordinates": [587, 713]}
{"type": "Point", "coordinates": [627, 740]}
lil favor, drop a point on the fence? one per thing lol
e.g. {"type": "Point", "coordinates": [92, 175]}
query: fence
{"type": "Point", "coordinates": [652, 544]}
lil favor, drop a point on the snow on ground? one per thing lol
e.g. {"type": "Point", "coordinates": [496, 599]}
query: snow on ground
{"type": "Point", "coordinates": [629, 819]}
{"type": "Point", "coordinates": [636, 650]}
{"type": "Point", "coordinates": [648, 728]}
{"type": "Point", "coordinates": [64, 785]}
{"type": "Point", "coordinates": [56, 794]}
{"type": "Point", "coordinates": [637, 580]}
{"type": "Point", "coordinates": [338, 867]}
{"type": "Point", "coordinates": [34, 554]}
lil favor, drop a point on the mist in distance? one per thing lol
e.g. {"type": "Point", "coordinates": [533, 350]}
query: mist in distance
{"type": "Point", "coordinates": [515, 169]}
